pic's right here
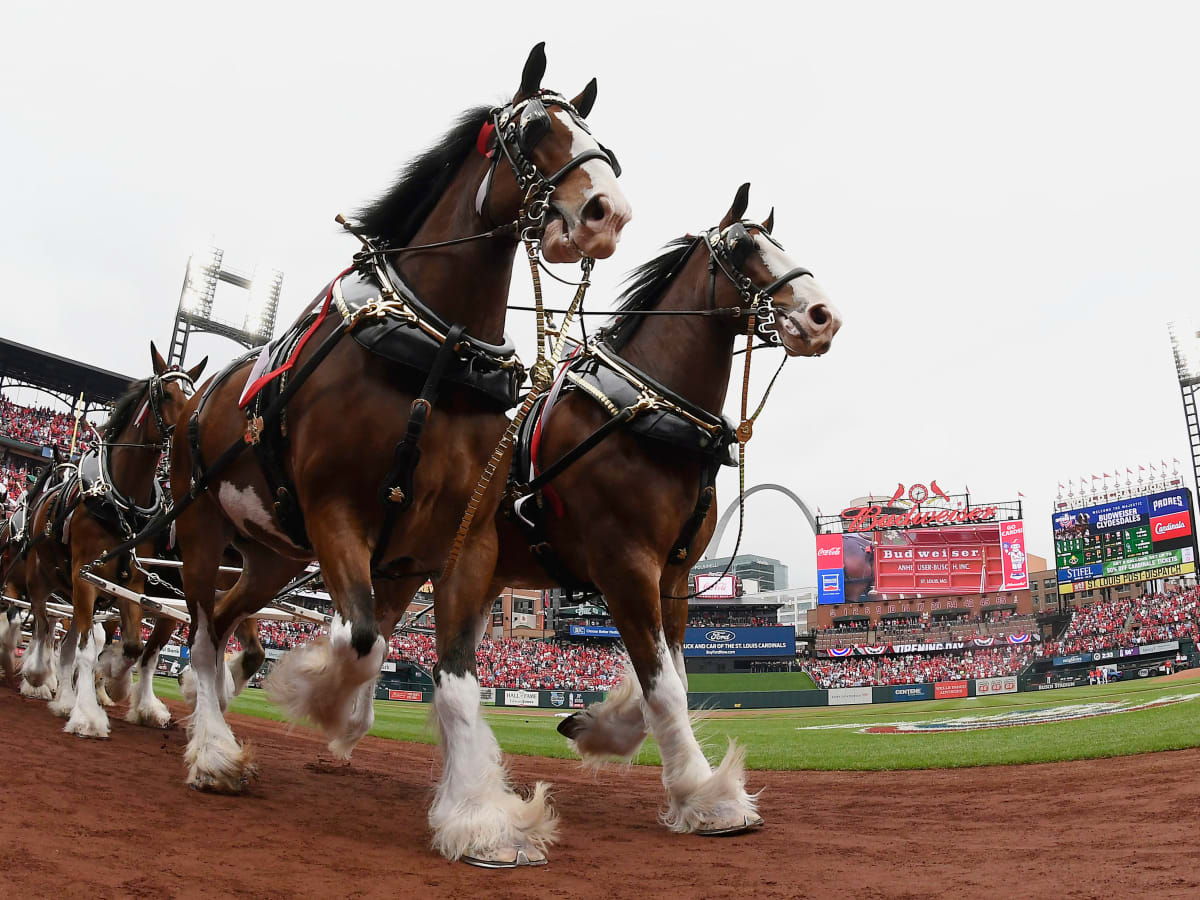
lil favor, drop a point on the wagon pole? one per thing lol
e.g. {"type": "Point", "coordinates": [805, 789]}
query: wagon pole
{"type": "Point", "coordinates": [75, 427]}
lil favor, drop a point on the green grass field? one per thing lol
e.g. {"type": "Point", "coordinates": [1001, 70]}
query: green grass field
{"type": "Point", "coordinates": [775, 739]}
{"type": "Point", "coordinates": [740, 681]}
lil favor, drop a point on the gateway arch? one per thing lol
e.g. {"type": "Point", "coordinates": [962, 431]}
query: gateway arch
{"type": "Point", "coordinates": [732, 509]}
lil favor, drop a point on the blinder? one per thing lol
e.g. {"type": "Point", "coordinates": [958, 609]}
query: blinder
{"type": "Point", "coordinates": [533, 125]}
{"type": "Point", "coordinates": [520, 128]}
{"type": "Point", "coordinates": [727, 250]}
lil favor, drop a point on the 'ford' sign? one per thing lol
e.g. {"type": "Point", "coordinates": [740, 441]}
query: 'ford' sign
{"type": "Point", "coordinates": [779, 640]}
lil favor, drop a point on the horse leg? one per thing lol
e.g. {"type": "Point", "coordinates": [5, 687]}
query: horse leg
{"type": "Point", "coordinates": [476, 816]}
{"type": "Point", "coordinates": [392, 598]}
{"type": "Point", "coordinates": [10, 636]}
{"type": "Point", "coordinates": [37, 673]}
{"type": "Point", "coordinates": [88, 718]}
{"type": "Point", "coordinates": [324, 680]}
{"type": "Point", "coordinates": [144, 707]}
{"type": "Point", "coordinates": [37, 666]}
{"type": "Point", "coordinates": [699, 799]}
{"type": "Point", "coordinates": [613, 728]}
{"type": "Point", "coordinates": [216, 762]}
{"type": "Point", "coordinates": [116, 666]}
{"type": "Point", "coordinates": [243, 664]}
{"type": "Point", "coordinates": [616, 727]}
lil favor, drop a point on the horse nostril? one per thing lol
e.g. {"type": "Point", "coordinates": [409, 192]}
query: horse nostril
{"type": "Point", "coordinates": [595, 210]}
{"type": "Point", "coordinates": [819, 315]}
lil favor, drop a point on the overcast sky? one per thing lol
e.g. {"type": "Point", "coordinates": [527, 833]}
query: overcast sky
{"type": "Point", "coordinates": [1003, 202]}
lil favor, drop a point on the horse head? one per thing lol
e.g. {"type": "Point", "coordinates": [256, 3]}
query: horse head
{"type": "Point", "coordinates": [789, 306]}
{"type": "Point", "coordinates": [563, 182]}
{"type": "Point", "coordinates": [164, 396]}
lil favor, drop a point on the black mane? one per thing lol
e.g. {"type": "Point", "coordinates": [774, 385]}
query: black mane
{"type": "Point", "coordinates": [643, 288]}
{"type": "Point", "coordinates": [124, 409]}
{"type": "Point", "coordinates": [395, 217]}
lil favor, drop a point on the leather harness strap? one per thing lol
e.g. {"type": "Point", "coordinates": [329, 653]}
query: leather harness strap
{"type": "Point", "coordinates": [396, 492]}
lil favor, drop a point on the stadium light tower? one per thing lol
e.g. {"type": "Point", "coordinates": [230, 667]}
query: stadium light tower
{"type": "Point", "coordinates": [1185, 345]}
{"type": "Point", "coordinates": [195, 310]}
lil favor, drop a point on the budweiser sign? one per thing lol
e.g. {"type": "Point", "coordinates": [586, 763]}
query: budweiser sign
{"type": "Point", "coordinates": [873, 518]}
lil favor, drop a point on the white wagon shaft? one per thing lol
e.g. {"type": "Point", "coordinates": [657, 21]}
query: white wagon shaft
{"type": "Point", "coordinates": [174, 608]}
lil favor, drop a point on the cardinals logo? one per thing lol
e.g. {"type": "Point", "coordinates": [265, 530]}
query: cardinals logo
{"type": "Point", "coordinates": [919, 493]}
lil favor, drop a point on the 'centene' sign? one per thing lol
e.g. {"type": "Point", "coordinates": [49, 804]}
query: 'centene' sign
{"type": "Point", "coordinates": [873, 518]}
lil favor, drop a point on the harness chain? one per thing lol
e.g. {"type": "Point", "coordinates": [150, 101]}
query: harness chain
{"type": "Point", "coordinates": [540, 376]}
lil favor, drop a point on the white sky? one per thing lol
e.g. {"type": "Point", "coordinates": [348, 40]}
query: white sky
{"type": "Point", "coordinates": [1003, 201]}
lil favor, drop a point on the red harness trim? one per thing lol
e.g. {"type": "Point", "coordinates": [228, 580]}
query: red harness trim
{"type": "Point", "coordinates": [485, 135]}
{"type": "Point", "coordinates": [266, 378]}
{"type": "Point", "coordinates": [556, 504]}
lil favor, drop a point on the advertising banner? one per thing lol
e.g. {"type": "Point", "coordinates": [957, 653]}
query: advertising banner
{"type": "Point", "coordinates": [1012, 556]}
{"type": "Point", "coordinates": [933, 647]}
{"type": "Point", "coordinates": [598, 631]}
{"type": "Point", "coordinates": [829, 552]}
{"type": "Point", "coordinates": [1111, 544]}
{"type": "Point", "coordinates": [948, 690]}
{"type": "Point", "coordinates": [903, 692]}
{"type": "Point", "coordinates": [831, 586]}
{"type": "Point", "coordinates": [777, 640]}
{"type": "Point", "coordinates": [520, 698]}
{"type": "Point", "coordinates": [408, 696]}
{"type": "Point", "coordinates": [853, 696]}
{"type": "Point", "coordinates": [487, 695]}
{"type": "Point", "coordinates": [717, 587]}
{"type": "Point", "coordinates": [985, 687]}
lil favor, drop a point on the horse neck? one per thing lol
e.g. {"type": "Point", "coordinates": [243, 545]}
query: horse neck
{"type": "Point", "coordinates": [691, 355]}
{"type": "Point", "coordinates": [466, 284]}
{"type": "Point", "coordinates": [132, 468]}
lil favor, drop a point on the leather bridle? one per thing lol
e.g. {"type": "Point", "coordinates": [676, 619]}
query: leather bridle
{"type": "Point", "coordinates": [156, 396]}
{"type": "Point", "coordinates": [760, 302]}
{"type": "Point", "coordinates": [517, 128]}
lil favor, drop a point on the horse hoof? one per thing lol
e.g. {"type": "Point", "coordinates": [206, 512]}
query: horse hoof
{"type": "Point", "coordinates": [750, 823]}
{"type": "Point", "coordinates": [571, 726]}
{"type": "Point", "coordinates": [520, 857]}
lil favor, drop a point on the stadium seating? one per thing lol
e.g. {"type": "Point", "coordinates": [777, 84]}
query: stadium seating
{"type": "Point", "coordinates": [41, 426]}
{"type": "Point", "coordinates": [861, 671]}
{"type": "Point", "coordinates": [1128, 623]}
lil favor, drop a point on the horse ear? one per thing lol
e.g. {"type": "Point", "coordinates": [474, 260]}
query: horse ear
{"type": "Point", "coordinates": [156, 360]}
{"type": "Point", "coordinates": [586, 99]}
{"type": "Point", "coordinates": [768, 224]}
{"type": "Point", "coordinates": [740, 201]}
{"type": "Point", "coordinates": [535, 68]}
{"type": "Point", "coordinates": [195, 371]}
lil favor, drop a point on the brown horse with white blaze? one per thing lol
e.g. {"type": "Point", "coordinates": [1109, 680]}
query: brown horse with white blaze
{"type": "Point", "coordinates": [618, 518]}
{"type": "Point", "coordinates": [323, 491]}
{"type": "Point", "coordinates": [111, 495]}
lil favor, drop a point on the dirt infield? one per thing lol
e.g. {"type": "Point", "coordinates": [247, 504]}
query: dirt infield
{"type": "Point", "coordinates": [113, 819]}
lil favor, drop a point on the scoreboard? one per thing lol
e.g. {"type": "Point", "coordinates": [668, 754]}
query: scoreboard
{"type": "Point", "coordinates": [1129, 540]}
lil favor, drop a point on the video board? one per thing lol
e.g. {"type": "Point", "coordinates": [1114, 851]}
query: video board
{"type": "Point", "coordinates": [1136, 539]}
{"type": "Point", "coordinates": [918, 562]}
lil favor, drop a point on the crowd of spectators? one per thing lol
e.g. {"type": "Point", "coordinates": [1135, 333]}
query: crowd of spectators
{"type": "Point", "coordinates": [924, 628]}
{"type": "Point", "coordinates": [41, 426]}
{"type": "Point", "coordinates": [918, 668]}
{"type": "Point", "coordinates": [726, 619]}
{"type": "Point", "coordinates": [1123, 622]}
{"type": "Point", "coordinates": [526, 665]}
{"type": "Point", "coordinates": [14, 472]}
